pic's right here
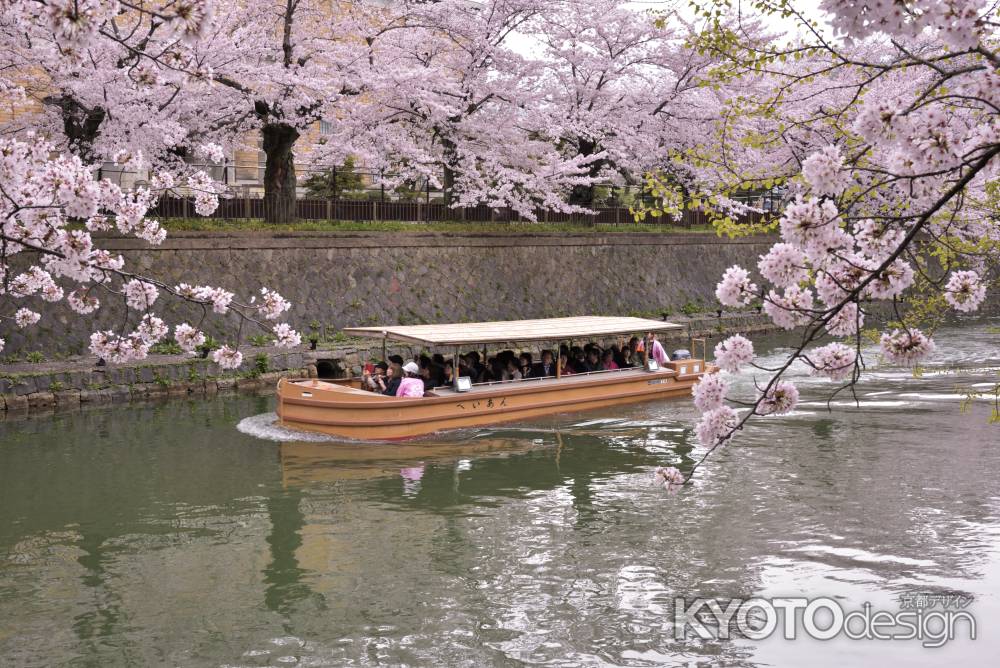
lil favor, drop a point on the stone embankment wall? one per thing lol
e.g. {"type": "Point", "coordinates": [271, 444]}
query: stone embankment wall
{"type": "Point", "coordinates": [39, 389]}
{"type": "Point", "coordinates": [336, 280]}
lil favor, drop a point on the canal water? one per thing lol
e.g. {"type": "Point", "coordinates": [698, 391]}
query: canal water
{"type": "Point", "coordinates": [183, 534]}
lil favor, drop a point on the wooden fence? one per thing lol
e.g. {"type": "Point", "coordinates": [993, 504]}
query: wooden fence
{"type": "Point", "coordinates": [233, 208]}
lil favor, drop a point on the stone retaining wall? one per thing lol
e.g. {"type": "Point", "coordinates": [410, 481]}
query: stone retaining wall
{"type": "Point", "coordinates": [341, 279]}
{"type": "Point", "coordinates": [32, 389]}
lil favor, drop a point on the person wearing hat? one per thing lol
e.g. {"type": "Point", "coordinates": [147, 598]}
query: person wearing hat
{"type": "Point", "coordinates": [411, 385]}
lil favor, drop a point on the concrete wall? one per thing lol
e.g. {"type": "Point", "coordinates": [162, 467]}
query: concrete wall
{"type": "Point", "coordinates": [342, 279]}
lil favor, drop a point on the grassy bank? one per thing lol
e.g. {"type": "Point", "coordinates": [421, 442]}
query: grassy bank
{"type": "Point", "coordinates": [258, 225]}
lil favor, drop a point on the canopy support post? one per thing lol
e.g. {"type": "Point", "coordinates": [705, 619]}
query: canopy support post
{"type": "Point", "coordinates": [454, 370]}
{"type": "Point", "coordinates": [559, 357]}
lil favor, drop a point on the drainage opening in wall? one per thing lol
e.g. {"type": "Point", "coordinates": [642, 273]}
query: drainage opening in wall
{"type": "Point", "coordinates": [329, 369]}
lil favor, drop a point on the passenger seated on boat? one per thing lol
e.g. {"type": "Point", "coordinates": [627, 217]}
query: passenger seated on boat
{"type": "Point", "coordinates": [475, 365]}
{"type": "Point", "coordinates": [565, 368]}
{"type": "Point", "coordinates": [512, 372]}
{"type": "Point", "coordinates": [524, 362]}
{"type": "Point", "coordinates": [486, 375]}
{"type": "Point", "coordinates": [427, 374]}
{"type": "Point", "coordinates": [618, 356]}
{"type": "Point", "coordinates": [593, 362]}
{"type": "Point", "coordinates": [447, 375]}
{"type": "Point", "coordinates": [396, 359]}
{"type": "Point", "coordinates": [389, 383]}
{"type": "Point", "coordinates": [369, 380]}
{"type": "Point", "coordinates": [495, 368]}
{"type": "Point", "coordinates": [635, 351]}
{"type": "Point", "coordinates": [465, 370]}
{"type": "Point", "coordinates": [411, 384]}
{"type": "Point", "coordinates": [608, 361]}
{"type": "Point", "coordinates": [546, 367]}
{"type": "Point", "coordinates": [578, 359]}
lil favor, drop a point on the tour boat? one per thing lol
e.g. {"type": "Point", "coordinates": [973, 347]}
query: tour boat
{"type": "Point", "coordinates": [343, 408]}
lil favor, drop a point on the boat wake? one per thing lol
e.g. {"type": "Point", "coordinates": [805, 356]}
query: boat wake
{"type": "Point", "coordinates": [265, 426]}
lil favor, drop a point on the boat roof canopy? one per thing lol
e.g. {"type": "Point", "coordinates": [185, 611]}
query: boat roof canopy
{"type": "Point", "coordinates": [504, 331]}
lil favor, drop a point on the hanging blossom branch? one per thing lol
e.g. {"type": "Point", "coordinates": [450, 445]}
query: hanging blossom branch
{"type": "Point", "coordinates": [49, 208]}
{"type": "Point", "coordinates": [920, 146]}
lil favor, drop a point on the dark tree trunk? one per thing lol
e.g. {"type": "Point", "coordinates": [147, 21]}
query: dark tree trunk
{"type": "Point", "coordinates": [584, 195]}
{"type": "Point", "coordinates": [279, 172]}
{"type": "Point", "coordinates": [80, 125]}
{"type": "Point", "coordinates": [449, 172]}
{"type": "Point", "coordinates": [449, 184]}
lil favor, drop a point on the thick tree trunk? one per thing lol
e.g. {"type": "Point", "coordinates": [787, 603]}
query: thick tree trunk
{"type": "Point", "coordinates": [80, 125]}
{"type": "Point", "coordinates": [279, 172]}
{"type": "Point", "coordinates": [584, 195]}
{"type": "Point", "coordinates": [448, 182]}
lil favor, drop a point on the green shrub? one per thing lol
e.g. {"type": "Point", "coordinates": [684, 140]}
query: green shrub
{"type": "Point", "coordinates": [166, 347]}
{"type": "Point", "coordinates": [261, 340]}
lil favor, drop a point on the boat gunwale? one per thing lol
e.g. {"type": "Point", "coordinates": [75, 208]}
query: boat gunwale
{"type": "Point", "coordinates": [533, 388]}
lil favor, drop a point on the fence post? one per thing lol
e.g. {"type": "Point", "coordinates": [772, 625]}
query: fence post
{"type": "Point", "coordinates": [418, 211]}
{"type": "Point", "coordinates": [184, 211]}
{"type": "Point", "coordinates": [374, 211]}
{"type": "Point", "coordinates": [329, 209]}
{"type": "Point", "coordinates": [246, 203]}
{"type": "Point", "coordinates": [618, 211]}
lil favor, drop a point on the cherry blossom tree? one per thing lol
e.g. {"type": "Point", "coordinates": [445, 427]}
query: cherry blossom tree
{"type": "Point", "coordinates": [898, 116]}
{"type": "Point", "coordinates": [464, 110]}
{"type": "Point", "coordinates": [51, 203]}
{"type": "Point", "coordinates": [619, 85]}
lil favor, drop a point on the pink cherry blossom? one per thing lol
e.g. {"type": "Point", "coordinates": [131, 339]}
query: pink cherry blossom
{"type": "Point", "coordinates": [847, 321]}
{"type": "Point", "coordinates": [732, 353]}
{"type": "Point", "coordinates": [735, 288]}
{"type": "Point", "coordinates": [26, 317]}
{"type": "Point", "coordinates": [824, 171]}
{"type": "Point", "coordinates": [784, 265]}
{"type": "Point", "coordinates": [834, 360]}
{"type": "Point", "coordinates": [140, 295]}
{"type": "Point", "coordinates": [791, 309]}
{"type": "Point", "coordinates": [151, 329]}
{"type": "Point", "coordinates": [272, 304]}
{"type": "Point", "coordinates": [187, 337]}
{"type": "Point", "coordinates": [782, 398]}
{"type": "Point", "coordinates": [907, 347]}
{"type": "Point", "coordinates": [227, 357]}
{"type": "Point", "coordinates": [669, 477]}
{"type": "Point", "coordinates": [964, 291]}
{"type": "Point", "coordinates": [716, 426]}
{"type": "Point", "coordinates": [285, 336]}
{"type": "Point", "coordinates": [710, 392]}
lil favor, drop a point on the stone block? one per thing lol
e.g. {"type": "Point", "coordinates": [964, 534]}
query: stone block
{"type": "Point", "coordinates": [248, 384]}
{"type": "Point", "coordinates": [15, 403]}
{"type": "Point", "coordinates": [69, 397]}
{"type": "Point", "coordinates": [41, 400]}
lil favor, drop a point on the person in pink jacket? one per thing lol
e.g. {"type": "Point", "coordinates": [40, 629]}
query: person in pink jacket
{"type": "Point", "coordinates": [411, 385]}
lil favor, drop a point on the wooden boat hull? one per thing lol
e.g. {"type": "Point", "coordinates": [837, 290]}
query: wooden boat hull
{"type": "Point", "coordinates": [340, 410]}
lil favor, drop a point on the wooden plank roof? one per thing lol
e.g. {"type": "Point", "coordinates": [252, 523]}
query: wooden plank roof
{"type": "Point", "coordinates": [548, 329]}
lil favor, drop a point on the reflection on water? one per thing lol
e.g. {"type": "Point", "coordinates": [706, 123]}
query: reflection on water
{"type": "Point", "coordinates": [164, 535]}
